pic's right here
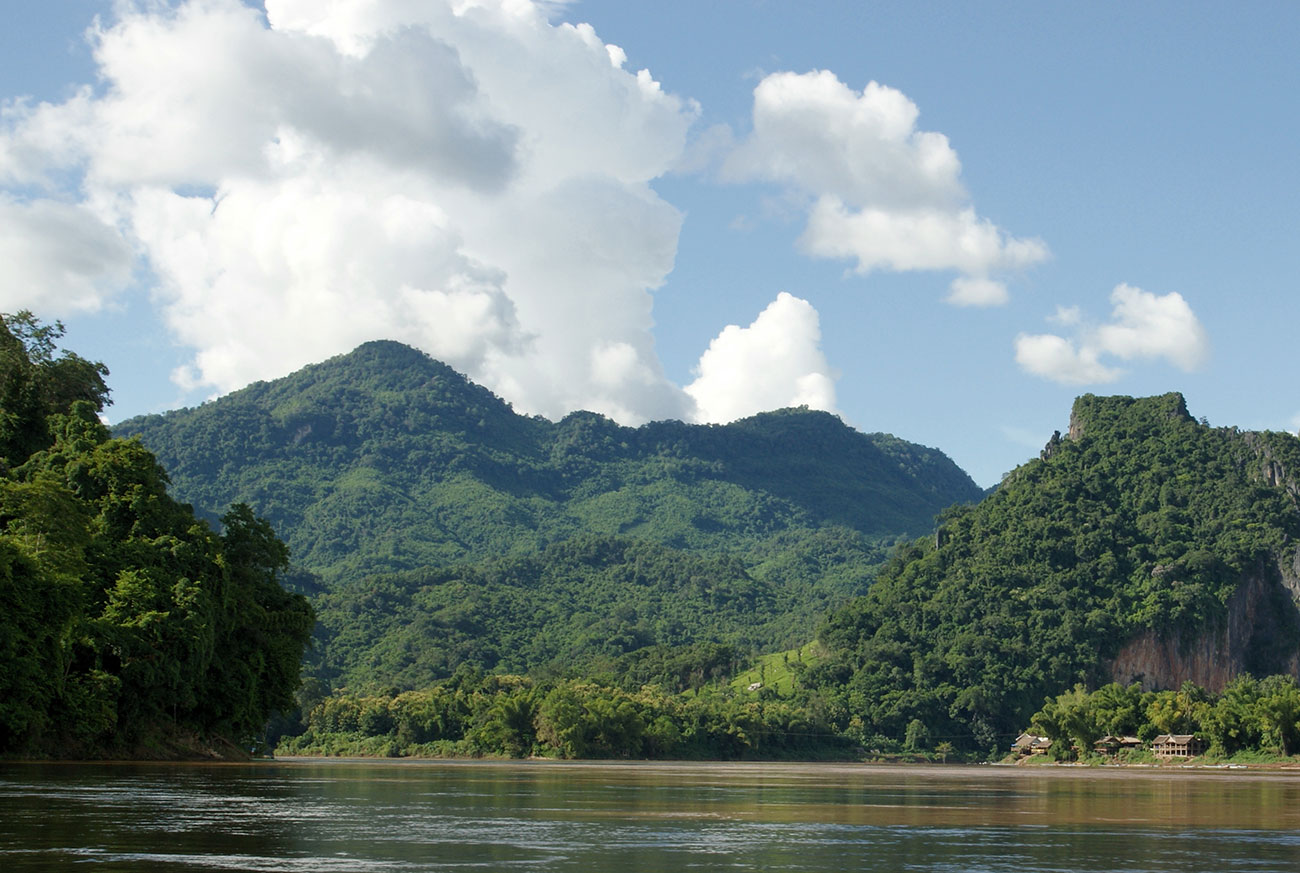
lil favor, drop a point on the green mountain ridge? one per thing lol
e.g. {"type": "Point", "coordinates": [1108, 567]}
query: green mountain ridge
{"type": "Point", "coordinates": [386, 460]}
{"type": "Point", "coordinates": [436, 528]}
{"type": "Point", "coordinates": [1143, 546]}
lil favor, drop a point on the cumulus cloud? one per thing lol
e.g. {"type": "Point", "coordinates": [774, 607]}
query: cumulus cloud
{"type": "Point", "coordinates": [880, 191]}
{"type": "Point", "coordinates": [970, 291]}
{"type": "Point", "coordinates": [1142, 326]}
{"type": "Point", "coordinates": [467, 177]}
{"type": "Point", "coordinates": [775, 362]}
{"type": "Point", "coordinates": [58, 258]}
{"type": "Point", "coordinates": [1062, 360]}
{"type": "Point", "coordinates": [1146, 326]}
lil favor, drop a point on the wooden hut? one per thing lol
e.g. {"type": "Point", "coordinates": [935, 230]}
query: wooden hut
{"type": "Point", "coordinates": [1178, 746]}
{"type": "Point", "coordinates": [1110, 744]}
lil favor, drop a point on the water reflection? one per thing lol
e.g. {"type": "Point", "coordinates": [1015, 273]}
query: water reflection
{"type": "Point", "coordinates": [542, 816]}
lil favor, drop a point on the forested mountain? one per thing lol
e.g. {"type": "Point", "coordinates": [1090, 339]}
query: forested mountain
{"type": "Point", "coordinates": [127, 626]}
{"type": "Point", "coordinates": [384, 459]}
{"type": "Point", "coordinates": [575, 607]}
{"type": "Point", "coordinates": [1144, 546]}
{"type": "Point", "coordinates": [444, 529]}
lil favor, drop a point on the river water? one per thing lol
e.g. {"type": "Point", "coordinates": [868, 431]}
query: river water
{"type": "Point", "coordinates": [627, 818]}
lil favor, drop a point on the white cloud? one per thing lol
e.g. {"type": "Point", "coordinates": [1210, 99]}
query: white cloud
{"type": "Point", "coordinates": [775, 362]}
{"type": "Point", "coordinates": [58, 258]}
{"type": "Point", "coordinates": [1066, 315]}
{"type": "Point", "coordinates": [1142, 326]}
{"type": "Point", "coordinates": [1146, 326]}
{"type": "Point", "coordinates": [971, 291]}
{"type": "Point", "coordinates": [464, 176]}
{"type": "Point", "coordinates": [1060, 360]}
{"type": "Point", "coordinates": [880, 191]}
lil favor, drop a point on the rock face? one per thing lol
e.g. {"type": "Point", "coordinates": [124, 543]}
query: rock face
{"type": "Point", "coordinates": [1254, 637]}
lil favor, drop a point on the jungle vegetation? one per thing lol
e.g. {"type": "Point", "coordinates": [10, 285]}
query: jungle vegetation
{"type": "Point", "coordinates": [1142, 519]}
{"type": "Point", "coordinates": [1250, 717]}
{"type": "Point", "coordinates": [495, 583]}
{"type": "Point", "coordinates": [434, 527]}
{"type": "Point", "coordinates": [128, 627]}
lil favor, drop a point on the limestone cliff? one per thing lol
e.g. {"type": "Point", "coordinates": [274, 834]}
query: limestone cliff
{"type": "Point", "coordinates": [1256, 635]}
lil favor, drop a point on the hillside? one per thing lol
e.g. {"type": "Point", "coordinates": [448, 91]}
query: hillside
{"type": "Point", "coordinates": [1142, 547]}
{"type": "Point", "coordinates": [386, 460]}
{"type": "Point", "coordinates": [436, 527]}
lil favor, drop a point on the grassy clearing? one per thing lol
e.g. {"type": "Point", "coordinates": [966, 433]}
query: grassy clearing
{"type": "Point", "coordinates": [777, 671]}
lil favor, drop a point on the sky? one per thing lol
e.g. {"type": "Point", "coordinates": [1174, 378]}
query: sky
{"type": "Point", "coordinates": [938, 220]}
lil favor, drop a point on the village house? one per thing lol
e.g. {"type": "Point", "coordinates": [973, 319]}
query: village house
{"type": "Point", "coordinates": [1178, 746]}
{"type": "Point", "coordinates": [1029, 744]}
{"type": "Point", "coordinates": [1110, 744]}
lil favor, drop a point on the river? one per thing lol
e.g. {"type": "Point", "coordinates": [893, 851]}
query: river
{"type": "Point", "coordinates": [555, 817]}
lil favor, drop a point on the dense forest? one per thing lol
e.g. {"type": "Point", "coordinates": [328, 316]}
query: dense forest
{"type": "Point", "coordinates": [490, 583]}
{"type": "Point", "coordinates": [473, 715]}
{"type": "Point", "coordinates": [434, 527]}
{"type": "Point", "coordinates": [385, 460]}
{"type": "Point", "coordinates": [575, 605]}
{"type": "Point", "coordinates": [128, 627]}
{"type": "Point", "coordinates": [1141, 523]}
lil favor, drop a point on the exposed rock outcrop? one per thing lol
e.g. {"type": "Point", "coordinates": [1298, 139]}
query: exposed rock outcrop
{"type": "Point", "coordinates": [1271, 470]}
{"type": "Point", "coordinates": [1257, 635]}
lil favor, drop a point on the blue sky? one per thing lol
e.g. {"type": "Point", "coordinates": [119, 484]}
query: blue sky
{"type": "Point", "coordinates": [942, 221]}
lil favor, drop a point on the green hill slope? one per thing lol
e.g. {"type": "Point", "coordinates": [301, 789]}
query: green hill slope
{"type": "Point", "coordinates": [384, 460]}
{"type": "Point", "coordinates": [449, 530]}
{"type": "Point", "coordinates": [1142, 547]}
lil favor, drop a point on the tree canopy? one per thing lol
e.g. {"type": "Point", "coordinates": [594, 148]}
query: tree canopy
{"type": "Point", "coordinates": [1142, 520]}
{"type": "Point", "coordinates": [126, 624]}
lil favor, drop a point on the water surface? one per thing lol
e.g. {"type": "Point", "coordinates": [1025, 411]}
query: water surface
{"type": "Point", "coordinates": [628, 818]}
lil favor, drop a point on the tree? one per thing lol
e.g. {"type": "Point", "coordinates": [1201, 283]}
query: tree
{"type": "Point", "coordinates": [34, 384]}
{"type": "Point", "coordinates": [264, 628]}
{"type": "Point", "coordinates": [1069, 717]}
{"type": "Point", "coordinates": [1279, 710]}
{"type": "Point", "coordinates": [917, 736]}
{"type": "Point", "coordinates": [124, 620]}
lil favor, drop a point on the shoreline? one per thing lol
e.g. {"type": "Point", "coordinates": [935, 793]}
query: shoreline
{"type": "Point", "coordinates": [1287, 767]}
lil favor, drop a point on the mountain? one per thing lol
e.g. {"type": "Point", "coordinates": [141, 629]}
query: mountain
{"type": "Point", "coordinates": [384, 460]}
{"type": "Point", "coordinates": [436, 527]}
{"type": "Point", "coordinates": [1141, 547]}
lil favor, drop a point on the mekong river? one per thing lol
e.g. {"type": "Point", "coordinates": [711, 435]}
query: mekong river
{"type": "Point", "coordinates": [312, 815]}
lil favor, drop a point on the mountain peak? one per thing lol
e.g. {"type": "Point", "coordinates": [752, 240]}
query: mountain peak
{"type": "Point", "coordinates": [1090, 411]}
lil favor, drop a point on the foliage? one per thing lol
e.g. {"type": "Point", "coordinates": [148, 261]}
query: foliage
{"type": "Point", "coordinates": [591, 605]}
{"type": "Point", "coordinates": [440, 528]}
{"type": "Point", "coordinates": [1249, 718]}
{"type": "Point", "coordinates": [1142, 520]}
{"type": "Point", "coordinates": [124, 620]}
{"type": "Point", "coordinates": [385, 460]}
{"type": "Point", "coordinates": [513, 716]}
{"type": "Point", "coordinates": [34, 384]}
